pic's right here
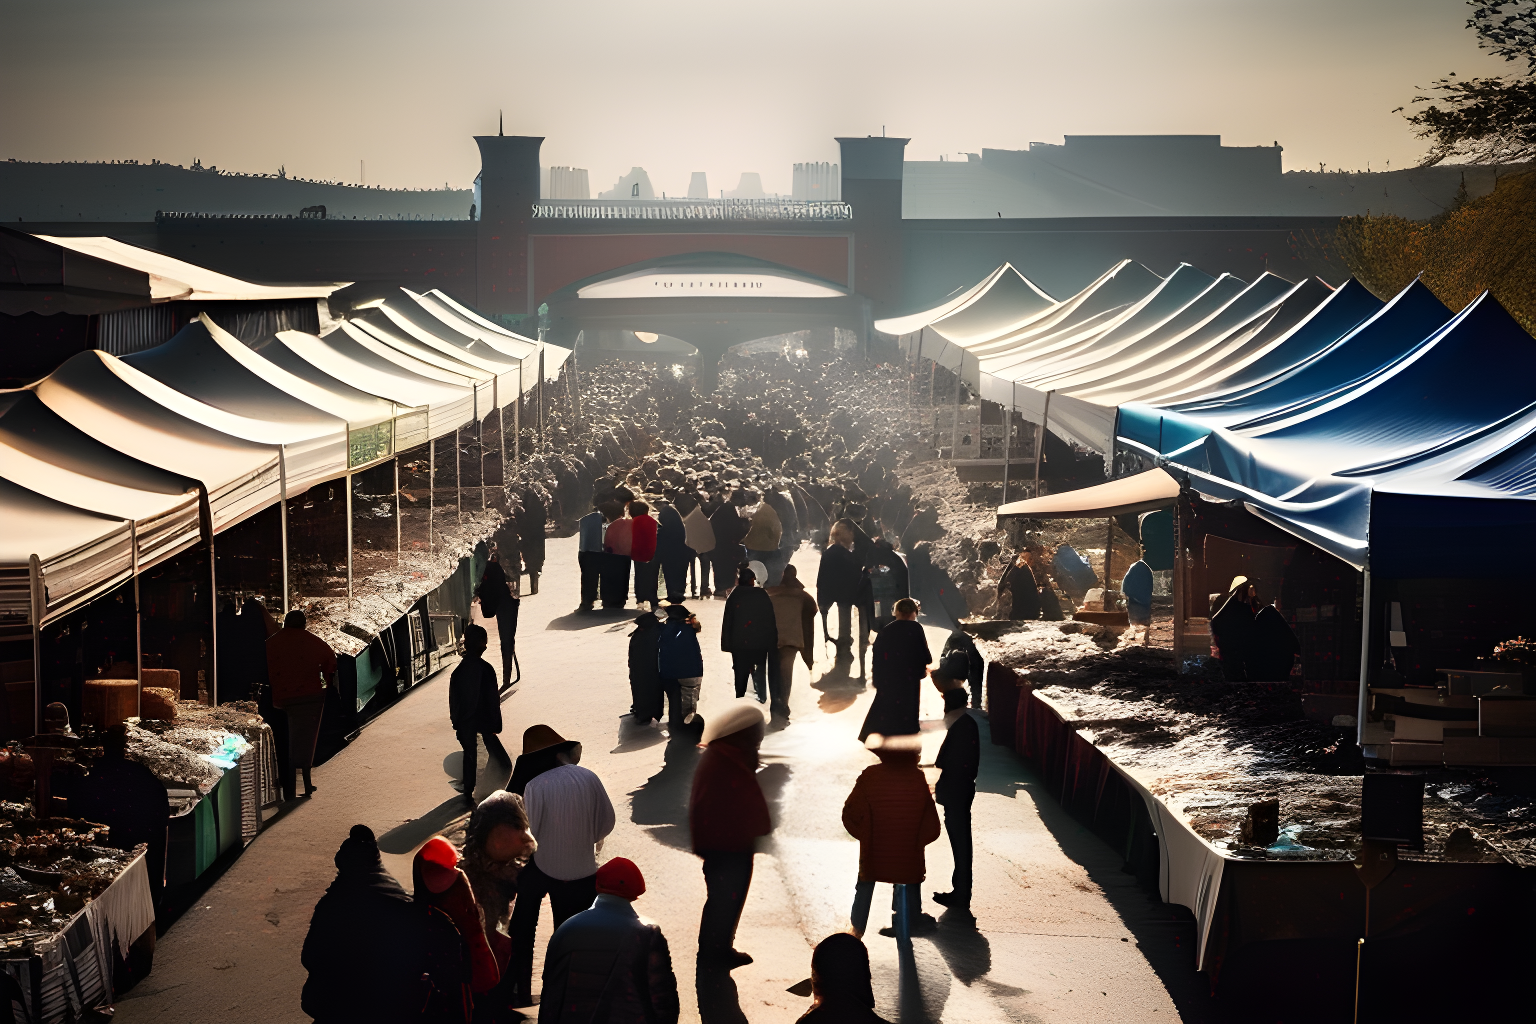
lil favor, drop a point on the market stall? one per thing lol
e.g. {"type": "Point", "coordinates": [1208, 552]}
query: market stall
{"type": "Point", "coordinates": [1249, 815]}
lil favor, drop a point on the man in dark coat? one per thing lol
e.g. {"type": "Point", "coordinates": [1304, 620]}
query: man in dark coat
{"type": "Point", "coordinates": [1232, 630]}
{"type": "Point", "coordinates": [901, 658]}
{"type": "Point", "coordinates": [726, 815]}
{"type": "Point", "coordinates": [672, 550]}
{"type": "Point", "coordinates": [750, 633]}
{"type": "Point", "coordinates": [644, 676]}
{"type": "Point", "coordinates": [730, 528]}
{"type": "Point", "coordinates": [497, 602]}
{"type": "Point", "coordinates": [958, 762]}
{"type": "Point", "coordinates": [530, 535]}
{"type": "Point", "coordinates": [609, 965]}
{"type": "Point", "coordinates": [474, 706]}
{"type": "Point", "coordinates": [367, 948]}
{"type": "Point", "coordinates": [887, 581]}
{"type": "Point", "coordinates": [839, 582]}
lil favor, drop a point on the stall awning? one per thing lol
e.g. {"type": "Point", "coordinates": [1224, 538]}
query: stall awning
{"type": "Point", "coordinates": [170, 278]}
{"type": "Point", "coordinates": [1143, 492]}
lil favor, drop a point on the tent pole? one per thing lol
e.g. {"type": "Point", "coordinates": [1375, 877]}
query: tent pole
{"type": "Point", "coordinates": [138, 627]}
{"type": "Point", "coordinates": [349, 541]}
{"type": "Point", "coordinates": [431, 490]}
{"type": "Point", "coordinates": [282, 478]}
{"type": "Point", "coordinates": [1364, 703]}
{"type": "Point", "coordinates": [1040, 441]}
{"type": "Point", "coordinates": [39, 609]}
{"type": "Point", "coordinates": [1180, 586]}
{"type": "Point", "coordinates": [397, 519]}
{"type": "Point", "coordinates": [1007, 445]}
{"type": "Point", "coordinates": [213, 618]}
{"type": "Point", "coordinates": [458, 470]}
{"type": "Point", "coordinates": [1109, 558]}
{"type": "Point", "coordinates": [954, 441]}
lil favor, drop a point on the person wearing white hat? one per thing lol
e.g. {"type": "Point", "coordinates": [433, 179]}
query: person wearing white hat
{"type": "Point", "coordinates": [726, 815]}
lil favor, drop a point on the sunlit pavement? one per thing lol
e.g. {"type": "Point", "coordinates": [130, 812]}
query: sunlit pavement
{"type": "Point", "coordinates": [1061, 934]}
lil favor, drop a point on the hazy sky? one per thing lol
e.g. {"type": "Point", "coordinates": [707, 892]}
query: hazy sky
{"type": "Point", "coordinates": [678, 86]}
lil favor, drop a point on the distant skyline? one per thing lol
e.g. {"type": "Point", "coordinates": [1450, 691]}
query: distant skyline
{"type": "Point", "coordinates": [678, 86]}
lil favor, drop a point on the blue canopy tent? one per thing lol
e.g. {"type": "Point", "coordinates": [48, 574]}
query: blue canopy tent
{"type": "Point", "coordinates": [1438, 439]}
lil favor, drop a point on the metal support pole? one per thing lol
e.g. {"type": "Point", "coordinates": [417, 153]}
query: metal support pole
{"type": "Point", "coordinates": [397, 513]}
{"type": "Point", "coordinates": [1007, 447]}
{"type": "Point", "coordinates": [458, 470]}
{"type": "Point", "coordinates": [1362, 706]}
{"type": "Point", "coordinates": [349, 541]}
{"type": "Point", "coordinates": [431, 494]}
{"type": "Point", "coordinates": [1109, 558]}
{"type": "Point", "coordinates": [1180, 585]}
{"type": "Point", "coordinates": [39, 610]}
{"type": "Point", "coordinates": [213, 620]}
{"type": "Point", "coordinates": [1040, 432]}
{"type": "Point", "coordinates": [282, 478]}
{"type": "Point", "coordinates": [138, 628]}
{"type": "Point", "coordinates": [954, 443]}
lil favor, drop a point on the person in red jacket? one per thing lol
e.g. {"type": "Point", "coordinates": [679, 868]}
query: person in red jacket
{"type": "Point", "coordinates": [727, 814]}
{"type": "Point", "coordinates": [444, 893]}
{"type": "Point", "coordinates": [642, 549]}
{"type": "Point", "coordinates": [891, 813]}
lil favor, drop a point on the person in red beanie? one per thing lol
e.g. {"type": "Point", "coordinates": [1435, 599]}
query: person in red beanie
{"type": "Point", "coordinates": [443, 891]}
{"type": "Point", "coordinates": [609, 965]}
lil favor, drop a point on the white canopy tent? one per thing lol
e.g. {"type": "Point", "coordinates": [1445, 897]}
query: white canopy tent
{"type": "Point", "coordinates": [134, 414]}
{"type": "Point", "coordinates": [172, 279]}
{"type": "Point", "coordinates": [229, 396]}
{"type": "Point", "coordinates": [1003, 297]}
{"type": "Point", "coordinates": [42, 452]}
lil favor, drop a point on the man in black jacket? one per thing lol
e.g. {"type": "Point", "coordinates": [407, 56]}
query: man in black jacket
{"type": "Point", "coordinates": [608, 965]}
{"type": "Point", "coordinates": [368, 949]}
{"type": "Point", "coordinates": [958, 761]}
{"type": "Point", "coordinates": [474, 706]}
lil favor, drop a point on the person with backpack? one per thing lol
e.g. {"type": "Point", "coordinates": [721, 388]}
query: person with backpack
{"type": "Point", "coordinates": [680, 664]}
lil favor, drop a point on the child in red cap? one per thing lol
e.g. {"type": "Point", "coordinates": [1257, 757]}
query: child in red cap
{"type": "Point", "coordinates": [443, 890]}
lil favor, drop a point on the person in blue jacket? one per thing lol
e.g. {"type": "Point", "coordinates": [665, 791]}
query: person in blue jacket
{"type": "Point", "coordinates": [680, 663]}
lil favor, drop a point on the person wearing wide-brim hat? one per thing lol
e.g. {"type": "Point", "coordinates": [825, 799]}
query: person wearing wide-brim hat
{"type": "Point", "coordinates": [542, 750]}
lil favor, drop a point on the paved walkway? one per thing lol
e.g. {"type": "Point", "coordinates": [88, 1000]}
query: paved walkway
{"type": "Point", "coordinates": [1062, 934]}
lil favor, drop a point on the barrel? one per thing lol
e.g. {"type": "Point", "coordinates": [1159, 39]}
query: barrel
{"type": "Point", "coordinates": [106, 702]}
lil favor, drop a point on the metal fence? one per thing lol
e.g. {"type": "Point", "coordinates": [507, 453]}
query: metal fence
{"type": "Point", "coordinates": [692, 209]}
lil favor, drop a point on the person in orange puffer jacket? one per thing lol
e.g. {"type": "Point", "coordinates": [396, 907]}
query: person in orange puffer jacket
{"type": "Point", "coordinates": [443, 891]}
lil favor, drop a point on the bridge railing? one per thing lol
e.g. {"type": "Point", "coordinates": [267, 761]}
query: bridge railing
{"type": "Point", "coordinates": [691, 209]}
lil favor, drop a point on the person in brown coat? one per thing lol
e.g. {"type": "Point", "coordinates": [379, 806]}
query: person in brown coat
{"type": "Point", "coordinates": [726, 815]}
{"type": "Point", "coordinates": [892, 815]}
{"type": "Point", "coordinates": [794, 610]}
{"type": "Point", "coordinates": [300, 666]}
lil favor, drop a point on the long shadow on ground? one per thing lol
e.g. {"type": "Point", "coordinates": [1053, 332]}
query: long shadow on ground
{"type": "Point", "coordinates": [1165, 933]}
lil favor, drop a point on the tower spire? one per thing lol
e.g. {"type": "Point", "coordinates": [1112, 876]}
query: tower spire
{"type": "Point", "coordinates": [500, 123]}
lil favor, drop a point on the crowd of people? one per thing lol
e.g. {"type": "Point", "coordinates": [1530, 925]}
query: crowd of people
{"type": "Point", "coordinates": [675, 500]}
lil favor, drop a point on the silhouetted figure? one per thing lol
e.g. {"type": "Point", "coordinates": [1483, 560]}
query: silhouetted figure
{"type": "Point", "coordinates": [367, 951]}
{"type": "Point", "coordinates": [127, 797]}
{"type": "Point", "coordinates": [474, 706]}
{"type": "Point", "coordinates": [841, 990]}
{"type": "Point", "coordinates": [300, 666]}
{"type": "Point", "coordinates": [900, 662]}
